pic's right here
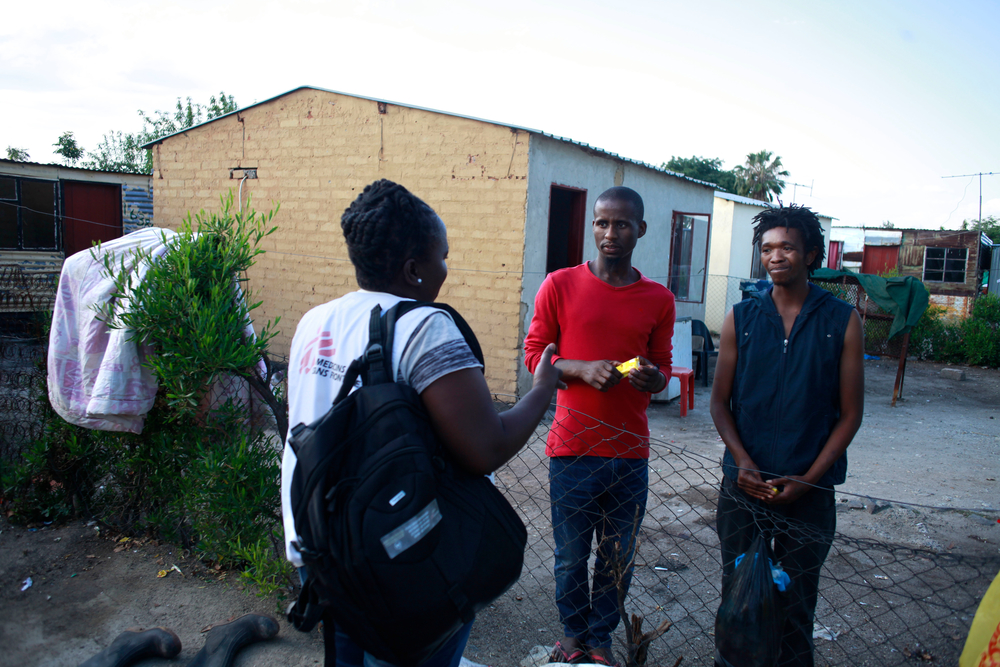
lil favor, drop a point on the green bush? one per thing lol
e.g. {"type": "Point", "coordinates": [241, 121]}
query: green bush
{"type": "Point", "coordinates": [975, 340]}
{"type": "Point", "coordinates": [936, 338]}
{"type": "Point", "coordinates": [987, 309]}
{"type": "Point", "coordinates": [205, 476]}
{"type": "Point", "coordinates": [982, 343]}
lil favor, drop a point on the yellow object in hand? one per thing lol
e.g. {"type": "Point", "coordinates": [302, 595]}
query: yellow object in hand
{"type": "Point", "coordinates": [625, 367]}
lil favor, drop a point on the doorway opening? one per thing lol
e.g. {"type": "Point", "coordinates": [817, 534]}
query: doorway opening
{"type": "Point", "coordinates": [567, 210]}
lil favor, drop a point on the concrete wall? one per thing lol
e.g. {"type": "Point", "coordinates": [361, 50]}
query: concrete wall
{"type": "Point", "coordinates": [314, 152]}
{"type": "Point", "coordinates": [553, 162]}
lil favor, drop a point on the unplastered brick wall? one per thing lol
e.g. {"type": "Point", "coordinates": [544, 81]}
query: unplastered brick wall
{"type": "Point", "coordinates": [314, 151]}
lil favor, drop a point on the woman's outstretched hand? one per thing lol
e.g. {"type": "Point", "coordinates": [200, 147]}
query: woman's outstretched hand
{"type": "Point", "coordinates": [546, 374]}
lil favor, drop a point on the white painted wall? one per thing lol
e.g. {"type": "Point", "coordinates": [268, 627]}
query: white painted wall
{"type": "Point", "coordinates": [732, 252]}
{"type": "Point", "coordinates": [553, 162]}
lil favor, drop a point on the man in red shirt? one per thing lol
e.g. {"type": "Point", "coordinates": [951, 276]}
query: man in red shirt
{"type": "Point", "coordinates": [600, 314]}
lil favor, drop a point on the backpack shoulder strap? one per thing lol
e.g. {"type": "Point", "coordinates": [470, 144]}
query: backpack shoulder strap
{"type": "Point", "coordinates": [376, 362]}
{"type": "Point", "coordinates": [375, 365]}
{"type": "Point", "coordinates": [404, 307]}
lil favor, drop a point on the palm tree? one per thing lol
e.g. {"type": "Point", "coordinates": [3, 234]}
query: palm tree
{"type": "Point", "coordinates": [760, 177]}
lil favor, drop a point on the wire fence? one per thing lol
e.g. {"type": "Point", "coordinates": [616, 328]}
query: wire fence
{"type": "Point", "coordinates": [881, 602]}
{"type": "Point", "coordinates": [906, 595]}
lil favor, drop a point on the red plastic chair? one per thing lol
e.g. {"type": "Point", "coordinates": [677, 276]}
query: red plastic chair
{"type": "Point", "coordinates": [686, 376]}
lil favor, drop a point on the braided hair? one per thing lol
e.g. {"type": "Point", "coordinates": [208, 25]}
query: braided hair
{"type": "Point", "coordinates": [383, 227]}
{"type": "Point", "coordinates": [797, 217]}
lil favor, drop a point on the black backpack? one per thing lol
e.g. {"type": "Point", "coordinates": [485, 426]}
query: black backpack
{"type": "Point", "coordinates": [401, 546]}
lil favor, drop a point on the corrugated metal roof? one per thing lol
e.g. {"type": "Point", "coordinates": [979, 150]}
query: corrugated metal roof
{"type": "Point", "coordinates": [454, 115]}
{"type": "Point", "coordinates": [740, 199]}
{"type": "Point", "coordinates": [63, 166]}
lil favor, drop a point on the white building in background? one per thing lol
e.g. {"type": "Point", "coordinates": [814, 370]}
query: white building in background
{"type": "Point", "coordinates": [733, 257]}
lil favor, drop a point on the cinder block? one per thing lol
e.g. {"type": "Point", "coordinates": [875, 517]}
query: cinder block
{"type": "Point", "coordinates": [953, 373]}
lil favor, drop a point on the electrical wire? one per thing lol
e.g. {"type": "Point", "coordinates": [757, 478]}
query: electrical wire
{"type": "Point", "coordinates": [240, 195]}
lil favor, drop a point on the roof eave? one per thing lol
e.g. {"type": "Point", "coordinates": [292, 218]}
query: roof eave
{"type": "Point", "coordinates": [446, 113]}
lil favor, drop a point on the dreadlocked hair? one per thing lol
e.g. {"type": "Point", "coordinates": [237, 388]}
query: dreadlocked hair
{"type": "Point", "coordinates": [383, 227]}
{"type": "Point", "coordinates": [797, 217]}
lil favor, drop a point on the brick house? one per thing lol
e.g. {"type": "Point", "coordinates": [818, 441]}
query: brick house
{"type": "Point", "coordinates": [50, 211]}
{"type": "Point", "coordinates": [517, 204]}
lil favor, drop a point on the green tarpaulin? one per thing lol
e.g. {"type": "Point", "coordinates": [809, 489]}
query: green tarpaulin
{"type": "Point", "coordinates": [904, 298]}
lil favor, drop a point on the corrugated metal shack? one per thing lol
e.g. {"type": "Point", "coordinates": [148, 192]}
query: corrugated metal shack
{"type": "Point", "coordinates": [48, 212]}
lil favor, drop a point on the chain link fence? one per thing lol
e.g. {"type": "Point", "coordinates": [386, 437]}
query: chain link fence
{"type": "Point", "coordinates": [880, 602]}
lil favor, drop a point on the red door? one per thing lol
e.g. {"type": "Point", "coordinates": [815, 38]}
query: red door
{"type": "Point", "coordinates": [879, 258]}
{"type": "Point", "coordinates": [833, 260]}
{"type": "Point", "coordinates": [91, 212]}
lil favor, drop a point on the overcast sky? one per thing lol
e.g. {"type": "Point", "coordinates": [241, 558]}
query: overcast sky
{"type": "Point", "coordinates": [870, 102]}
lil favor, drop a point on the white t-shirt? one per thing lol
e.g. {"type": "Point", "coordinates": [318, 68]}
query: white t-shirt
{"type": "Point", "coordinates": [427, 345]}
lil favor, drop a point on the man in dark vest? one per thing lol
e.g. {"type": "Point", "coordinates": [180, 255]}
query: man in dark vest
{"type": "Point", "coordinates": [788, 398]}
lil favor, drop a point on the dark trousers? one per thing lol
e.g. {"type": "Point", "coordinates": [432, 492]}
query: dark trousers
{"type": "Point", "coordinates": [593, 495]}
{"type": "Point", "coordinates": [803, 532]}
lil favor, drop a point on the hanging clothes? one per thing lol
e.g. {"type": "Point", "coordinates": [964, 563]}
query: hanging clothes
{"type": "Point", "coordinates": [96, 378]}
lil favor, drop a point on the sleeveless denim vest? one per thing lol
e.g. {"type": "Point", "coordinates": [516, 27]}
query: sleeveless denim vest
{"type": "Point", "coordinates": [786, 393]}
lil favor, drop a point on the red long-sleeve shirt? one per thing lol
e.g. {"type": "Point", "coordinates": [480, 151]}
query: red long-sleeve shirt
{"type": "Point", "coordinates": [588, 320]}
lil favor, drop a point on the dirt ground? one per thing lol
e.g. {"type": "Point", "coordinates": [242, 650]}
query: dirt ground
{"type": "Point", "coordinates": [940, 447]}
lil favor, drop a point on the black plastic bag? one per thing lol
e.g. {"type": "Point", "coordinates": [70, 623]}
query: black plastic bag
{"type": "Point", "coordinates": [749, 623]}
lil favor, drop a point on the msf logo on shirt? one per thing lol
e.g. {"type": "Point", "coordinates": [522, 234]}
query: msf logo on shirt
{"type": "Point", "coordinates": [316, 358]}
{"type": "Point", "coordinates": [319, 347]}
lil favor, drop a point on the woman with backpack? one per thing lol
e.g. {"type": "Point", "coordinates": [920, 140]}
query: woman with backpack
{"type": "Point", "coordinates": [399, 247]}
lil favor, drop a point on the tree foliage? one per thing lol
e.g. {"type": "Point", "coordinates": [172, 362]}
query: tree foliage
{"type": "Point", "coordinates": [761, 177]}
{"type": "Point", "coordinates": [17, 154]}
{"type": "Point", "coordinates": [123, 152]}
{"type": "Point", "coordinates": [67, 147]}
{"type": "Point", "coordinates": [990, 226]}
{"type": "Point", "coordinates": [703, 169]}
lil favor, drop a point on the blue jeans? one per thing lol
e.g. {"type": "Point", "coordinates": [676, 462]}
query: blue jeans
{"type": "Point", "coordinates": [593, 494]}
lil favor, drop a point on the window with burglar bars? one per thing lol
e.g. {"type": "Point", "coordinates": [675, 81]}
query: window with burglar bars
{"type": "Point", "coordinates": [945, 265]}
